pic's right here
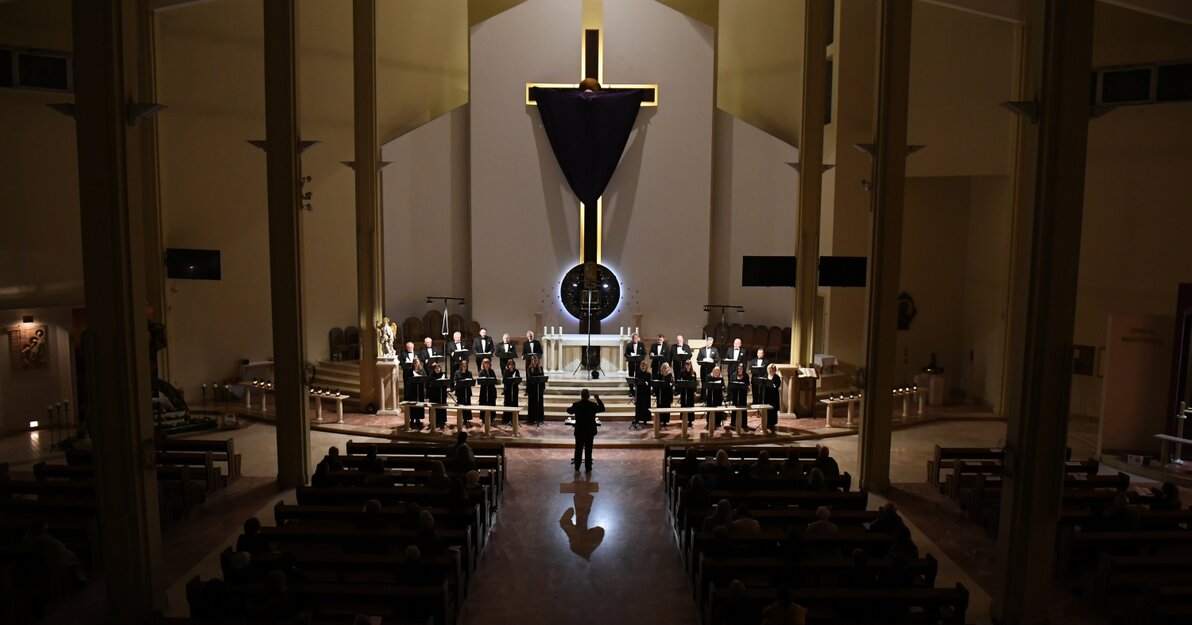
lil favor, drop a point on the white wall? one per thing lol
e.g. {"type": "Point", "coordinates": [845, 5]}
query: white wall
{"type": "Point", "coordinates": [753, 213]}
{"type": "Point", "coordinates": [986, 285]}
{"type": "Point", "coordinates": [518, 193]}
{"type": "Point", "coordinates": [24, 394]}
{"type": "Point", "coordinates": [657, 208]}
{"type": "Point", "coordinates": [428, 239]}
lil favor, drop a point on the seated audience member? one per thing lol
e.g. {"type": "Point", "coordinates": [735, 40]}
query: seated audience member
{"type": "Point", "coordinates": [458, 495]}
{"type": "Point", "coordinates": [736, 609]}
{"type": "Point", "coordinates": [251, 540]}
{"type": "Point", "coordinates": [887, 519]}
{"type": "Point", "coordinates": [696, 496]}
{"type": "Point", "coordinates": [438, 480]}
{"type": "Point", "coordinates": [460, 455]}
{"type": "Point", "coordinates": [827, 463]}
{"type": "Point", "coordinates": [274, 603]}
{"type": "Point", "coordinates": [472, 480]}
{"type": "Point", "coordinates": [65, 572]}
{"type": "Point", "coordinates": [1122, 517]}
{"type": "Point", "coordinates": [722, 468]}
{"type": "Point", "coordinates": [690, 463]}
{"type": "Point", "coordinates": [322, 475]}
{"type": "Point", "coordinates": [764, 468]}
{"type": "Point", "coordinates": [791, 468]}
{"type": "Point", "coordinates": [372, 464]}
{"type": "Point", "coordinates": [815, 481]}
{"type": "Point", "coordinates": [371, 518]}
{"type": "Point", "coordinates": [1167, 498]}
{"type": "Point", "coordinates": [428, 541]}
{"type": "Point", "coordinates": [784, 610]}
{"type": "Point", "coordinates": [722, 514]}
{"type": "Point", "coordinates": [239, 568]}
{"type": "Point", "coordinates": [334, 462]}
{"type": "Point", "coordinates": [410, 572]}
{"type": "Point", "coordinates": [791, 547]}
{"type": "Point", "coordinates": [745, 524]}
{"type": "Point", "coordinates": [721, 545]}
{"type": "Point", "coordinates": [412, 517]}
{"type": "Point", "coordinates": [904, 546]}
{"type": "Point", "coordinates": [897, 575]}
{"type": "Point", "coordinates": [212, 603]}
{"type": "Point", "coordinates": [822, 525]}
{"type": "Point", "coordinates": [860, 576]}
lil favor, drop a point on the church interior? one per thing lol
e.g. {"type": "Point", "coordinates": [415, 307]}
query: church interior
{"type": "Point", "coordinates": [389, 311]}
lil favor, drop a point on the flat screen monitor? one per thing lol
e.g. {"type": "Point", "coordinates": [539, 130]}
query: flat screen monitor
{"type": "Point", "coordinates": [842, 271]}
{"type": "Point", "coordinates": [768, 271]}
{"type": "Point", "coordinates": [184, 264]}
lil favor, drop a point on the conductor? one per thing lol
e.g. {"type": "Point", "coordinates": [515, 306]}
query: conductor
{"type": "Point", "coordinates": [585, 411]}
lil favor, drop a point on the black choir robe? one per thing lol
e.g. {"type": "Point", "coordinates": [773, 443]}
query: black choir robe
{"type": "Point", "coordinates": [665, 395]}
{"type": "Point", "coordinates": [535, 396]}
{"type": "Point", "coordinates": [463, 392]}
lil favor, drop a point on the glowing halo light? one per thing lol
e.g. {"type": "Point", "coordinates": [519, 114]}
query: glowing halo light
{"type": "Point", "coordinates": [620, 291]}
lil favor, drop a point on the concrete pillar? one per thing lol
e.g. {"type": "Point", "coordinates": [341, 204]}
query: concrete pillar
{"type": "Point", "coordinates": [116, 341]}
{"type": "Point", "coordinates": [149, 188]}
{"type": "Point", "coordinates": [811, 166]}
{"type": "Point", "coordinates": [282, 173]}
{"type": "Point", "coordinates": [1058, 64]}
{"type": "Point", "coordinates": [368, 206]}
{"type": "Point", "coordinates": [889, 178]}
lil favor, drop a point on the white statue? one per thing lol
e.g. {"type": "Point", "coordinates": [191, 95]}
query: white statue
{"type": "Point", "coordinates": [386, 334]}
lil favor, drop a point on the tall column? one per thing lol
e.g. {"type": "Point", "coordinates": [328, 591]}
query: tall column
{"type": "Point", "coordinates": [1058, 66]}
{"type": "Point", "coordinates": [368, 208]}
{"type": "Point", "coordinates": [116, 342]}
{"type": "Point", "coordinates": [155, 292]}
{"type": "Point", "coordinates": [889, 179]}
{"type": "Point", "coordinates": [811, 174]}
{"type": "Point", "coordinates": [282, 173]}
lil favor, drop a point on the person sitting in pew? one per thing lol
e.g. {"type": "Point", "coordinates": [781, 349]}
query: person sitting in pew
{"type": "Point", "coordinates": [251, 540]}
{"type": "Point", "coordinates": [736, 609]}
{"type": "Point", "coordinates": [460, 455]}
{"type": "Point", "coordinates": [904, 546]}
{"type": "Point", "coordinates": [472, 480]}
{"type": "Point", "coordinates": [411, 572]}
{"type": "Point", "coordinates": [722, 514]}
{"type": "Point", "coordinates": [822, 525]}
{"type": "Point", "coordinates": [721, 545]}
{"type": "Point", "coordinates": [65, 572]}
{"type": "Point", "coordinates": [690, 463]}
{"type": "Point", "coordinates": [815, 481]}
{"type": "Point", "coordinates": [784, 610]}
{"type": "Point", "coordinates": [791, 468]}
{"type": "Point", "coordinates": [826, 463]}
{"type": "Point", "coordinates": [745, 524]}
{"type": "Point", "coordinates": [372, 464]}
{"type": "Point", "coordinates": [1122, 517]}
{"type": "Point", "coordinates": [412, 517]}
{"type": "Point", "coordinates": [697, 495]}
{"type": "Point", "coordinates": [1167, 498]}
{"type": "Point", "coordinates": [887, 519]}
{"type": "Point", "coordinates": [721, 470]}
{"type": "Point", "coordinates": [370, 518]}
{"type": "Point", "coordinates": [322, 475]}
{"type": "Point", "coordinates": [239, 568]}
{"type": "Point", "coordinates": [428, 540]}
{"type": "Point", "coordinates": [791, 546]}
{"type": "Point", "coordinates": [274, 603]}
{"type": "Point", "coordinates": [438, 480]}
{"type": "Point", "coordinates": [897, 575]}
{"type": "Point", "coordinates": [334, 462]}
{"type": "Point", "coordinates": [764, 468]}
{"type": "Point", "coordinates": [860, 576]}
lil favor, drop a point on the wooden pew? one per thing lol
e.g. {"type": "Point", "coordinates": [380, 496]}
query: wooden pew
{"type": "Point", "coordinates": [983, 501]}
{"type": "Point", "coordinates": [940, 605]}
{"type": "Point", "coordinates": [452, 518]}
{"type": "Point", "coordinates": [809, 572]}
{"type": "Point", "coordinates": [80, 534]}
{"type": "Point", "coordinates": [202, 464]}
{"type": "Point", "coordinates": [361, 567]}
{"type": "Point", "coordinates": [1118, 580]}
{"type": "Point", "coordinates": [437, 450]}
{"type": "Point", "coordinates": [1076, 547]}
{"type": "Point", "coordinates": [483, 463]}
{"type": "Point", "coordinates": [765, 543]}
{"type": "Point", "coordinates": [964, 473]}
{"type": "Point", "coordinates": [945, 458]}
{"type": "Point", "coordinates": [389, 495]}
{"type": "Point", "coordinates": [412, 477]}
{"type": "Point", "coordinates": [73, 489]}
{"type": "Point", "coordinates": [343, 601]}
{"type": "Point", "coordinates": [337, 535]}
{"type": "Point", "coordinates": [221, 450]}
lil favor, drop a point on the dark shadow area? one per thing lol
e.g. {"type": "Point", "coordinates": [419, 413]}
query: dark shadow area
{"type": "Point", "coordinates": [583, 539]}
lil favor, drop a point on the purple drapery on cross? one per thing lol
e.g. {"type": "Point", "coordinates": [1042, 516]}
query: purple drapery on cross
{"type": "Point", "coordinates": [588, 131]}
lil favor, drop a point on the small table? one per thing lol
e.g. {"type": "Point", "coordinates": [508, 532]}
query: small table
{"type": "Point", "coordinates": [487, 411]}
{"type": "Point", "coordinates": [339, 404]}
{"type": "Point", "coordinates": [850, 402]}
{"type": "Point", "coordinates": [430, 411]}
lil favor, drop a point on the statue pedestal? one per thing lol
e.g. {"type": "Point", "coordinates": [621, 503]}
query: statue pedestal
{"type": "Point", "coordinates": [388, 373]}
{"type": "Point", "coordinates": [936, 385]}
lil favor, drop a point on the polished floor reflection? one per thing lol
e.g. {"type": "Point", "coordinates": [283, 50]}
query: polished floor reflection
{"type": "Point", "coordinates": [591, 550]}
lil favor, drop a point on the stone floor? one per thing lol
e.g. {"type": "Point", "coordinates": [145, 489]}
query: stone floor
{"type": "Point", "coordinates": [560, 541]}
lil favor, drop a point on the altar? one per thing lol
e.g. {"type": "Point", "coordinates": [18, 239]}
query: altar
{"type": "Point", "coordinates": [562, 351]}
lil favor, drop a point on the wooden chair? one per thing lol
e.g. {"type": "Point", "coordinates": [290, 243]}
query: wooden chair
{"type": "Point", "coordinates": [412, 328]}
{"type": "Point", "coordinates": [335, 340]}
{"type": "Point", "coordinates": [455, 323]}
{"type": "Point", "coordinates": [352, 340]}
{"type": "Point", "coordinates": [432, 324]}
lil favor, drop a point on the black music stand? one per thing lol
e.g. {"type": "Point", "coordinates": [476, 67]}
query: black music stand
{"type": "Point", "coordinates": [634, 383]}
{"type": "Point", "coordinates": [656, 386]}
{"type": "Point", "coordinates": [458, 356]}
{"type": "Point", "coordinates": [758, 378]}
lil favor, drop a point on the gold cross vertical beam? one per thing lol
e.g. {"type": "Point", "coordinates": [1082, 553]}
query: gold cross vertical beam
{"type": "Point", "coordinates": [593, 20]}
